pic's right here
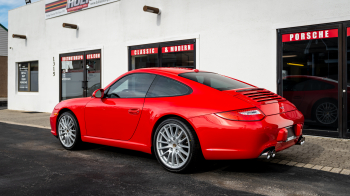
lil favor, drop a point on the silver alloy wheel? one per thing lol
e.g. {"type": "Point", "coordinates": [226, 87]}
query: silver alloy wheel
{"type": "Point", "coordinates": [327, 113]}
{"type": "Point", "coordinates": [173, 146]}
{"type": "Point", "coordinates": [67, 131]}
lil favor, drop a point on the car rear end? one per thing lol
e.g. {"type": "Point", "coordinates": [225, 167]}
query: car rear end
{"type": "Point", "coordinates": [272, 124]}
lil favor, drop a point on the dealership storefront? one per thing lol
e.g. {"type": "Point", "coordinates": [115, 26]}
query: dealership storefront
{"type": "Point", "coordinates": [313, 75]}
{"type": "Point", "coordinates": [78, 46]}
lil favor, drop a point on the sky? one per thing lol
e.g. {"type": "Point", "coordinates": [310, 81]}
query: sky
{"type": "Point", "coordinates": [6, 5]}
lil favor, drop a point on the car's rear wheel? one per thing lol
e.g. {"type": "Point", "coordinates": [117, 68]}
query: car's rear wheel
{"type": "Point", "coordinates": [176, 145]}
{"type": "Point", "coordinates": [326, 112]}
{"type": "Point", "coordinates": [68, 131]}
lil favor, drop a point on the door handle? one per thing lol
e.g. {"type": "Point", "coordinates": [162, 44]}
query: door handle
{"type": "Point", "coordinates": [134, 111]}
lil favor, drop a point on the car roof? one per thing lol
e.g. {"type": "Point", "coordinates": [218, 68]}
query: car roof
{"type": "Point", "coordinates": [313, 77]}
{"type": "Point", "coordinates": [169, 70]}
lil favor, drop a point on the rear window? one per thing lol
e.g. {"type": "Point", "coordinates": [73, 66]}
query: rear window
{"type": "Point", "coordinates": [216, 81]}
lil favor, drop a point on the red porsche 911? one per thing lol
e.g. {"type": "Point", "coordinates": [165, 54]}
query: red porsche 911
{"type": "Point", "coordinates": [181, 115]}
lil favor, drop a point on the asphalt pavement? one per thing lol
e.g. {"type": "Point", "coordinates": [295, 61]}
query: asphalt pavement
{"type": "Point", "coordinates": [33, 162]}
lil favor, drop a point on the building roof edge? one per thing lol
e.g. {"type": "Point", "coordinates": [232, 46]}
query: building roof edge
{"type": "Point", "coordinates": [4, 27]}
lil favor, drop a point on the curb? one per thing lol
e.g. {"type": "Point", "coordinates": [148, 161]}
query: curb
{"type": "Point", "coordinates": [29, 125]}
{"type": "Point", "coordinates": [308, 166]}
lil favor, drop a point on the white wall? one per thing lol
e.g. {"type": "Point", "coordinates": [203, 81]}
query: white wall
{"type": "Point", "coordinates": [235, 37]}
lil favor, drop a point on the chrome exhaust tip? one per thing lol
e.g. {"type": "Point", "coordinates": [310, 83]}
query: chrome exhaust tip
{"type": "Point", "coordinates": [269, 154]}
{"type": "Point", "coordinates": [301, 141]}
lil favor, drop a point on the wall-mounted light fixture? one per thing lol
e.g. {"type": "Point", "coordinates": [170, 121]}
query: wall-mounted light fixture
{"type": "Point", "coordinates": [19, 36]}
{"type": "Point", "coordinates": [70, 26]}
{"type": "Point", "coordinates": [28, 1]}
{"type": "Point", "coordinates": [151, 9]}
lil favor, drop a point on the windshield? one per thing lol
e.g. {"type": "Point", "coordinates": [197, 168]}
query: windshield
{"type": "Point", "coordinates": [216, 81]}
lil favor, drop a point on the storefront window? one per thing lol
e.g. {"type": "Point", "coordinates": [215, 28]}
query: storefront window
{"type": "Point", "coordinates": [166, 54]}
{"type": "Point", "coordinates": [72, 70]}
{"type": "Point", "coordinates": [143, 58]}
{"type": "Point", "coordinates": [28, 76]}
{"type": "Point", "coordinates": [178, 56]}
{"type": "Point", "coordinates": [310, 76]}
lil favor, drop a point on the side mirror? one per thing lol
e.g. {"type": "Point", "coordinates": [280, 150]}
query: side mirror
{"type": "Point", "coordinates": [98, 93]}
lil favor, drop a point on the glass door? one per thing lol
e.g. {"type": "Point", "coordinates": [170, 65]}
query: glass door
{"type": "Point", "coordinates": [346, 83]}
{"type": "Point", "coordinates": [80, 74]}
{"type": "Point", "coordinates": [72, 75]}
{"type": "Point", "coordinates": [310, 66]}
{"type": "Point", "coordinates": [93, 69]}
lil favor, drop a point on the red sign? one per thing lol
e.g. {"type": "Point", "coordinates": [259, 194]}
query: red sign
{"type": "Point", "coordinates": [310, 35]}
{"type": "Point", "coordinates": [180, 48]}
{"type": "Point", "coordinates": [93, 56]}
{"type": "Point", "coordinates": [348, 31]}
{"type": "Point", "coordinates": [144, 51]}
{"type": "Point", "coordinates": [73, 58]}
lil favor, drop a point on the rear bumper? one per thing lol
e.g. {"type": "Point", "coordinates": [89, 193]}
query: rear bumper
{"type": "Point", "coordinates": [223, 139]}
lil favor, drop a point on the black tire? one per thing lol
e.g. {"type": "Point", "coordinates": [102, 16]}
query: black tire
{"type": "Point", "coordinates": [77, 141]}
{"type": "Point", "coordinates": [194, 152]}
{"type": "Point", "coordinates": [330, 117]}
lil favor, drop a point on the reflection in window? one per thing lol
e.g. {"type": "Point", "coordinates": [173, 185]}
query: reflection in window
{"type": "Point", "coordinates": [178, 59]}
{"type": "Point", "coordinates": [310, 80]}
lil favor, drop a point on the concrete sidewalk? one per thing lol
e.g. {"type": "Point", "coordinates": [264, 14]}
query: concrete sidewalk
{"type": "Point", "coordinates": [327, 154]}
{"type": "Point", "coordinates": [37, 119]}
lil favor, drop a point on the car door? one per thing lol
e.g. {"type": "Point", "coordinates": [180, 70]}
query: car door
{"type": "Point", "coordinates": [116, 115]}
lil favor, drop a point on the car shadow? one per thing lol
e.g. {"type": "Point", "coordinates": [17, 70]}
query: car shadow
{"type": "Point", "coordinates": [115, 150]}
{"type": "Point", "coordinates": [203, 166]}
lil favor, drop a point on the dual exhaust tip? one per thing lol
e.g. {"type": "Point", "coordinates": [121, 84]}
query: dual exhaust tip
{"type": "Point", "coordinates": [269, 154]}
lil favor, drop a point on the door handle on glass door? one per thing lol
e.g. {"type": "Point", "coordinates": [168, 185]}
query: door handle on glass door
{"type": "Point", "coordinates": [134, 111]}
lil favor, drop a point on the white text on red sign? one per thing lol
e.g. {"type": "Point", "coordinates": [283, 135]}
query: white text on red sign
{"type": "Point", "coordinates": [73, 58]}
{"type": "Point", "coordinates": [331, 33]}
{"type": "Point", "coordinates": [93, 56]}
{"type": "Point", "coordinates": [179, 48]}
{"type": "Point", "coordinates": [144, 51]}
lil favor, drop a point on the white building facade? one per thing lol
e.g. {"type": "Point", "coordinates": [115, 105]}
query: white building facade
{"type": "Point", "coordinates": [270, 44]}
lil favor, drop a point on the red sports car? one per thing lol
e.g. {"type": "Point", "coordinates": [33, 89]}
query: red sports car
{"type": "Point", "coordinates": [181, 115]}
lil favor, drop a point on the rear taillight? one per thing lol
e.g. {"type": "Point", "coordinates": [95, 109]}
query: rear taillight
{"type": "Point", "coordinates": [298, 129]}
{"type": "Point", "coordinates": [250, 114]}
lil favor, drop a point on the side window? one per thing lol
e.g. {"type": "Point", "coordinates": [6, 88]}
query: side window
{"type": "Point", "coordinates": [131, 86]}
{"type": "Point", "coordinates": [294, 84]}
{"type": "Point", "coordinates": [166, 87]}
{"type": "Point", "coordinates": [315, 85]}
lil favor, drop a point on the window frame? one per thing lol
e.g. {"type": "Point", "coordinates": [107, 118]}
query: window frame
{"type": "Point", "coordinates": [157, 78]}
{"type": "Point", "coordinates": [159, 45]}
{"type": "Point", "coordinates": [342, 104]}
{"type": "Point", "coordinates": [84, 53]}
{"type": "Point", "coordinates": [109, 88]}
{"type": "Point", "coordinates": [29, 77]}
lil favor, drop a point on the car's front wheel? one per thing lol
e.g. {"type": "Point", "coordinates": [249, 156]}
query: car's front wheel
{"type": "Point", "coordinates": [176, 145]}
{"type": "Point", "coordinates": [68, 131]}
